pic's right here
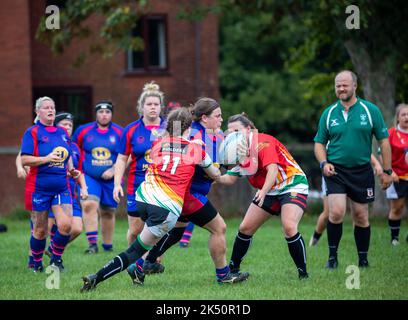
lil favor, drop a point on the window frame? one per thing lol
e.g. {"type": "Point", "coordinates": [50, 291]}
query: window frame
{"type": "Point", "coordinates": [146, 69]}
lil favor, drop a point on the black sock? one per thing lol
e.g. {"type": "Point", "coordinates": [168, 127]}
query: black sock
{"type": "Point", "coordinates": [394, 226]}
{"type": "Point", "coordinates": [241, 246]}
{"type": "Point", "coordinates": [317, 235]}
{"type": "Point", "coordinates": [362, 238]}
{"type": "Point", "coordinates": [334, 233]}
{"type": "Point", "coordinates": [297, 251]}
{"type": "Point", "coordinates": [122, 261]}
{"type": "Point", "coordinates": [168, 240]}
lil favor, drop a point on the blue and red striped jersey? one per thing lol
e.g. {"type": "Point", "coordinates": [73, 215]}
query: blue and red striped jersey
{"type": "Point", "coordinates": [201, 182]}
{"type": "Point", "coordinates": [98, 147]}
{"type": "Point", "coordinates": [39, 141]}
{"type": "Point", "coordinates": [137, 140]}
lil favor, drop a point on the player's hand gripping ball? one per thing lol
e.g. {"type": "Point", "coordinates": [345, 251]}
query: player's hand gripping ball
{"type": "Point", "coordinates": [233, 149]}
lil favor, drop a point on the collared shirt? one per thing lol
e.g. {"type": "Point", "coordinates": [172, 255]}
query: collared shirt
{"type": "Point", "coordinates": [351, 133]}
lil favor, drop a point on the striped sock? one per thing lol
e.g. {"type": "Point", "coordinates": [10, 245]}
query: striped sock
{"type": "Point", "coordinates": [394, 226]}
{"type": "Point", "coordinates": [37, 250]}
{"type": "Point", "coordinates": [59, 243]}
{"type": "Point", "coordinates": [241, 246]}
{"type": "Point", "coordinates": [297, 250]}
{"type": "Point", "coordinates": [92, 237]}
{"type": "Point", "coordinates": [221, 273]}
{"type": "Point", "coordinates": [188, 232]}
{"type": "Point", "coordinates": [53, 230]}
{"type": "Point", "coordinates": [30, 262]}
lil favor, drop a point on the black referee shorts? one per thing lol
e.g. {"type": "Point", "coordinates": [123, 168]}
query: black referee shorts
{"type": "Point", "coordinates": [357, 183]}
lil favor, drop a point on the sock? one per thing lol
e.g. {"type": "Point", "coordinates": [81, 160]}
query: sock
{"type": "Point", "coordinates": [53, 230]}
{"type": "Point", "coordinates": [121, 262]}
{"type": "Point", "coordinates": [107, 247]}
{"type": "Point", "coordinates": [362, 238]}
{"type": "Point", "coordinates": [37, 250]}
{"type": "Point", "coordinates": [334, 233]}
{"type": "Point", "coordinates": [297, 251]}
{"type": "Point", "coordinates": [317, 235]}
{"type": "Point", "coordinates": [241, 246]}
{"type": "Point", "coordinates": [221, 273]}
{"type": "Point", "coordinates": [188, 232]}
{"type": "Point", "coordinates": [92, 237]}
{"type": "Point", "coordinates": [394, 226]}
{"type": "Point", "coordinates": [168, 240]}
{"type": "Point", "coordinates": [59, 243]}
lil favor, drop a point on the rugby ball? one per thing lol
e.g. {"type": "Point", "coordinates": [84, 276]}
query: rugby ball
{"type": "Point", "coordinates": [228, 151]}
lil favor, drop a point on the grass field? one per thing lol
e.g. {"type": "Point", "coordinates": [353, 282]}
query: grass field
{"type": "Point", "coordinates": [190, 273]}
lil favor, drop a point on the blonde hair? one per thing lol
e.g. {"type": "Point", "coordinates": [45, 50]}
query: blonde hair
{"type": "Point", "coordinates": [398, 110]}
{"type": "Point", "coordinates": [150, 89]}
{"type": "Point", "coordinates": [38, 104]}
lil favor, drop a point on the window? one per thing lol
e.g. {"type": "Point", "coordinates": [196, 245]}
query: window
{"type": "Point", "coordinates": [152, 29]}
{"type": "Point", "coordinates": [75, 100]}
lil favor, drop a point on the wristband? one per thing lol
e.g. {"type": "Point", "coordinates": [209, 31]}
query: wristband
{"type": "Point", "coordinates": [322, 164]}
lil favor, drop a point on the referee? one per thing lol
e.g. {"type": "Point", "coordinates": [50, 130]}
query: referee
{"type": "Point", "coordinates": [349, 125]}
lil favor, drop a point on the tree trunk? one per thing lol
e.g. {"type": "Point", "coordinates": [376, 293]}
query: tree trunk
{"type": "Point", "coordinates": [379, 86]}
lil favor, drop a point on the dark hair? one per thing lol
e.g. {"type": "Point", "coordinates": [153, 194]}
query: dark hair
{"type": "Point", "coordinates": [204, 106]}
{"type": "Point", "coordinates": [104, 104]}
{"type": "Point", "coordinates": [62, 116]}
{"type": "Point", "coordinates": [243, 118]}
{"type": "Point", "coordinates": [178, 121]}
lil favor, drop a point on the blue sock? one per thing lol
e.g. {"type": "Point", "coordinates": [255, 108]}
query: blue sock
{"type": "Point", "coordinates": [221, 273]}
{"type": "Point", "coordinates": [139, 263]}
{"type": "Point", "coordinates": [107, 247]}
{"type": "Point", "coordinates": [37, 250]}
{"type": "Point", "coordinates": [30, 261]}
{"type": "Point", "coordinates": [58, 245]}
{"type": "Point", "coordinates": [92, 237]}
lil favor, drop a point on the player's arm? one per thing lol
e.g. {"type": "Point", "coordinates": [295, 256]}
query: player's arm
{"type": "Point", "coordinates": [83, 186]}
{"type": "Point", "coordinates": [21, 170]}
{"type": "Point", "coordinates": [378, 170]}
{"type": "Point", "coordinates": [385, 147]}
{"type": "Point", "coordinates": [321, 156]}
{"type": "Point", "coordinates": [33, 161]}
{"type": "Point", "coordinates": [208, 166]}
{"type": "Point", "coordinates": [230, 177]}
{"type": "Point", "coordinates": [120, 167]}
{"type": "Point", "coordinates": [270, 179]}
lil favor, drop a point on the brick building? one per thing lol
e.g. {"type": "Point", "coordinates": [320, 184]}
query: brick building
{"type": "Point", "coordinates": [183, 60]}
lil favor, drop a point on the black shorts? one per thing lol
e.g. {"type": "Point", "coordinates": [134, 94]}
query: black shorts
{"type": "Point", "coordinates": [152, 215]}
{"type": "Point", "coordinates": [273, 204]}
{"type": "Point", "coordinates": [357, 183]}
{"type": "Point", "coordinates": [202, 216]}
{"type": "Point", "coordinates": [397, 190]}
{"type": "Point", "coordinates": [135, 214]}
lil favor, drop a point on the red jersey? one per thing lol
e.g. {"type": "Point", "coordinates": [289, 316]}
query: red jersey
{"type": "Point", "coordinates": [399, 146]}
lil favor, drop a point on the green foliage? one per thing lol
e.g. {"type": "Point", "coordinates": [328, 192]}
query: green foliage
{"type": "Point", "coordinates": [190, 274]}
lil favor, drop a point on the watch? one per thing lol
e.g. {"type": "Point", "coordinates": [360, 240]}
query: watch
{"type": "Point", "coordinates": [387, 171]}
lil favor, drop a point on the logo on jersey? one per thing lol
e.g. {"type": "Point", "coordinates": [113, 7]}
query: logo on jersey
{"type": "Point", "coordinates": [89, 138]}
{"type": "Point", "coordinates": [45, 139]}
{"type": "Point", "coordinates": [147, 156]}
{"type": "Point", "coordinates": [64, 137]}
{"type": "Point", "coordinates": [363, 118]}
{"type": "Point", "coordinates": [112, 139]}
{"type": "Point", "coordinates": [101, 153]}
{"type": "Point", "coordinates": [63, 154]}
{"type": "Point", "coordinates": [334, 123]}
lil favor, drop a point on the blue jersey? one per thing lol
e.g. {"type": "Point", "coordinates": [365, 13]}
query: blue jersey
{"type": "Point", "coordinates": [39, 141]}
{"type": "Point", "coordinates": [201, 182]}
{"type": "Point", "coordinates": [76, 154]}
{"type": "Point", "coordinates": [137, 141]}
{"type": "Point", "coordinates": [98, 147]}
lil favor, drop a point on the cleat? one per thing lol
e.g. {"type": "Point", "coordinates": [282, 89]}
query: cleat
{"type": "Point", "coordinates": [150, 268]}
{"type": "Point", "coordinates": [332, 263]}
{"type": "Point", "coordinates": [38, 269]}
{"type": "Point", "coordinates": [313, 241]}
{"type": "Point", "coordinates": [92, 249]}
{"type": "Point", "coordinates": [184, 244]}
{"type": "Point", "coordinates": [303, 274]}
{"type": "Point", "coordinates": [136, 274]}
{"type": "Point", "coordinates": [395, 242]}
{"type": "Point", "coordinates": [363, 263]}
{"type": "Point", "coordinates": [89, 283]}
{"type": "Point", "coordinates": [57, 263]}
{"type": "Point", "coordinates": [233, 277]}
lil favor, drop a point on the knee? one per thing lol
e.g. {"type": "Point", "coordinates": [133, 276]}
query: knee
{"type": "Point", "coordinates": [65, 228]}
{"type": "Point", "coordinates": [40, 232]}
{"type": "Point", "coordinates": [396, 211]}
{"type": "Point", "coordinates": [76, 231]}
{"type": "Point", "coordinates": [246, 229]}
{"type": "Point", "coordinates": [221, 228]}
{"type": "Point", "coordinates": [290, 228]}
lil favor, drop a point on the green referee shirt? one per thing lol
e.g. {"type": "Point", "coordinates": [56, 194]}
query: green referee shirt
{"type": "Point", "coordinates": [350, 134]}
